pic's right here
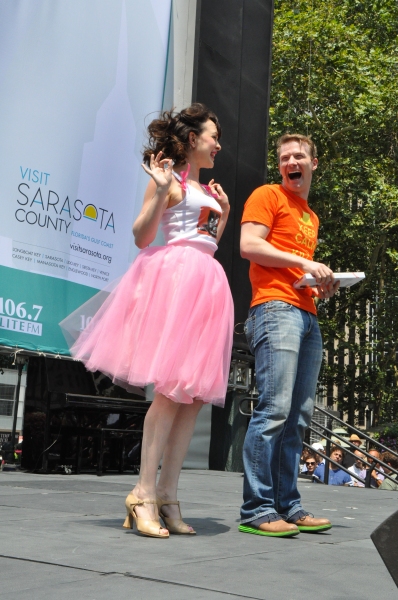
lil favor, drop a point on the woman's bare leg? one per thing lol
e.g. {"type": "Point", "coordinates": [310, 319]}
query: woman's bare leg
{"type": "Point", "coordinates": [158, 424]}
{"type": "Point", "coordinates": [175, 451]}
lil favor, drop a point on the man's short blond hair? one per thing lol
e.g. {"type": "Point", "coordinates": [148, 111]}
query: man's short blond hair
{"type": "Point", "coordinates": [296, 137]}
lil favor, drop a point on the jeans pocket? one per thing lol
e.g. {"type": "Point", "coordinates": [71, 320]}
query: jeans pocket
{"type": "Point", "coordinates": [249, 331]}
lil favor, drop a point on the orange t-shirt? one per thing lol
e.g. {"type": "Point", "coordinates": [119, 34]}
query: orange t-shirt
{"type": "Point", "coordinates": [293, 228]}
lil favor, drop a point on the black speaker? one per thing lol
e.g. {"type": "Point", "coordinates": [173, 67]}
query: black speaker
{"type": "Point", "coordinates": [385, 538]}
{"type": "Point", "coordinates": [232, 77]}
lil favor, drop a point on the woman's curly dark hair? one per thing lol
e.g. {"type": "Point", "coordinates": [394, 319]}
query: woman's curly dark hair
{"type": "Point", "coordinates": [170, 133]}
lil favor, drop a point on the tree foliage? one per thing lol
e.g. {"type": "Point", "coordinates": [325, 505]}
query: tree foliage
{"type": "Point", "coordinates": [335, 76]}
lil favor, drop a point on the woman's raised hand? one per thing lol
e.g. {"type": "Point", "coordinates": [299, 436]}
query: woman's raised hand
{"type": "Point", "coordinates": [161, 170]}
{"type": "Point", "coordinates": [220, 195]}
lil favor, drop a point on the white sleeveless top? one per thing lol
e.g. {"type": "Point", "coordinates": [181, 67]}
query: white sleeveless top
{"type": "Point", "coordinates": [195, 219]}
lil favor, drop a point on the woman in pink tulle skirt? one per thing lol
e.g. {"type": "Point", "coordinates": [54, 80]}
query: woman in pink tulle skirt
{"type": "Point", "coordinates": [169, 321]}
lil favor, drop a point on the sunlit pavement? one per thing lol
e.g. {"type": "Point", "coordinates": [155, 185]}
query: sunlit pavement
{"type": "Point", "coordinates": [61, 537]}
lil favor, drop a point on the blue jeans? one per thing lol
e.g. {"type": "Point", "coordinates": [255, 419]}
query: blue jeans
{"type": "Point", "coordinates": [287, 345]}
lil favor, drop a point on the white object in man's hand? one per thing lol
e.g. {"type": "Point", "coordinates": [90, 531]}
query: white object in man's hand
{"type": "Point", "coordinates": [346, 279]}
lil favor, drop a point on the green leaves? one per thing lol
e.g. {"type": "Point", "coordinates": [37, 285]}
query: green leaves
{"type": "Point", "coordinates": [335, 76]}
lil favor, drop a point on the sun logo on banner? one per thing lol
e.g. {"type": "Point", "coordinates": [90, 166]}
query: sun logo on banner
{"type": "Point", "coordinates": [90, 212]}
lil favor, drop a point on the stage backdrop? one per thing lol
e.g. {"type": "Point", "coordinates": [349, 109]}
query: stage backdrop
{"type": "Point", "coordinates": [80, 81]}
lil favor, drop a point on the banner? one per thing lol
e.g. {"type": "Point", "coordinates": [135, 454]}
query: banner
{"type": "Point", "coordinates": [80, 82]}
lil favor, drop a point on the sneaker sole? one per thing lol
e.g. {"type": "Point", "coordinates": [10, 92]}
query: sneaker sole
{"type": "Point", "coordinates": [314, 529]}
{"type": "Point", "coordinates": [246, 529]}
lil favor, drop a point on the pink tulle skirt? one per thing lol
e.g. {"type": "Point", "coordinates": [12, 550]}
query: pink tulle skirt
{"type": "Point", "coordinates": [169, 322]}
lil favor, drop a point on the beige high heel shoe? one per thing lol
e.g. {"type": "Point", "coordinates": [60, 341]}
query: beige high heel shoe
{"type": "Point", "coordinates": [149, 527]}
{"type": "Point", "coordinates": [173, 525]}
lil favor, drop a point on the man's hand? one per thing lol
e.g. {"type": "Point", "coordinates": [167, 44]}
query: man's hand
{"type": "Point", "coordinates": [328, 290]}
{"type": "Point", "coordinates": [375, 477]}
{"type": "Point", "coordinates": [322, 273]}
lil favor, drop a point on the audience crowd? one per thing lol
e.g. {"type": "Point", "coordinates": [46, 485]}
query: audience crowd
{"type": "Point", "coordinates": [360, 467]}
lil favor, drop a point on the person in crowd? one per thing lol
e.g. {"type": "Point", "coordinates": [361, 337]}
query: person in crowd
{"type": "Point", "coordinates": [303, 458]}
{"type": "Point", "coordinates": [310, 463]}
{"type": "Point", "coordinates": [359, 469]}
{"type": "Point", "coordinates": [320, 447]}
{"type": "Point", "coordinates": [279, 236]}
{"type": "Point", "coordinates": [169, 322]}
{"type": "Point", "coordinates": [392, 461]}
{"type": "Point", "coordinates": [336, 475]}
{"type": "Point", "coordinates": [308, 453]}
{"type": "Point", "coordinates": [7, 450]}
{"type": "Point", "coordinates": [348, 459]}
{"type": "Point", "coordinates": [377, 477]}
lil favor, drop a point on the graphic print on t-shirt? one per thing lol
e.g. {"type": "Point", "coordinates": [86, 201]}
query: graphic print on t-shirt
{"type": "Point", "coordinates": [306, 236]}
{"type": "Point", "coordinates": [208, 221]}
{"type": "Point", "coordinates": [306, 219]}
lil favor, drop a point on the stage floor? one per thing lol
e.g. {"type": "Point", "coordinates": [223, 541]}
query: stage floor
{"type": "Point", "coordinates": [61, 537]}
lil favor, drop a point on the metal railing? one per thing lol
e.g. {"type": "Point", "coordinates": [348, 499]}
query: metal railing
{"type": "Point", "coordinates": [326, 432]}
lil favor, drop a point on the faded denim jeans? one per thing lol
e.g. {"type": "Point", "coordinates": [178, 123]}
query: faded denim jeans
{"type": "Point", "coordinates": [287, 345]}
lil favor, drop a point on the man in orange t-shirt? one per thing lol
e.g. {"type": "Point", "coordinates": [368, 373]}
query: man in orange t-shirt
{"type": "Point", "coordinates": [279, 236]}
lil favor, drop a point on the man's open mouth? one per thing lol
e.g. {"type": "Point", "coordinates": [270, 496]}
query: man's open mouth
{"type": "Point", "coordinates": [294, 175]}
